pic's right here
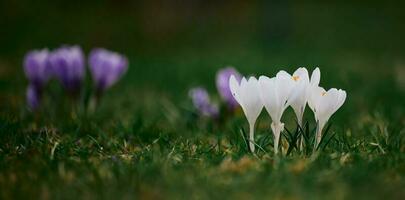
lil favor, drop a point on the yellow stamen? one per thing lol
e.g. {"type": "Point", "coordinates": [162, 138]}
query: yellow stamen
{"type": "Point", "coordinates": [323, 93]}
{"type": "Point", "coordinates": [295, 78]}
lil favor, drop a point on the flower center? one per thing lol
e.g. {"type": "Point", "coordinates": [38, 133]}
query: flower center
{"type": "Point", "coordinates": [323, 93]}
{"type": "Point", "coordinates": [296, 78]}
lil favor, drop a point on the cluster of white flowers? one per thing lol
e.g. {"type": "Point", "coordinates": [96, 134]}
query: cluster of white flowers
{"type": "Point", "coordinates": [281, 91]}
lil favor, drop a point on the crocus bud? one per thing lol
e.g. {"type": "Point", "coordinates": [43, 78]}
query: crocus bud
{"type": "Point", "coordinates": [202, 103]}
{"type": "Point", "coordinates": [36, 67]}
{"type": "Point", "coordinates": [33, 97]}
{"type": "Point", "coordinates": [222, 81]}
{"type": "Point", "coordinates": [68, 67]}
{"type": "Point", "coordinates": [106, 68]}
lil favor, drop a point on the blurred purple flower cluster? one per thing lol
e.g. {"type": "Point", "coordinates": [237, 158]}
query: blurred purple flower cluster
{"type": "Point", "coordinates": [67, 64]}
{"type": "Point", "coordinates": [201, 99]}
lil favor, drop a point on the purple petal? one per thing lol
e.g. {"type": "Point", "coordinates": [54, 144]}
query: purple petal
{"type": "Point", "coordinates": [106, 67]}
{"type": "Point", "coordinates": [222, 82]}
{"type": "Point", "coordinates": [68, 66]}
{"type": "Point", "coordinates": [36, 67]}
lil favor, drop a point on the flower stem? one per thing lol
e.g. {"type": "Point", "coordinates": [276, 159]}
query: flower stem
{"type": "Point", "coordinates": [318, 135]}
{"type": "Point", "coordinates": [299, 121]}
{"type": "Point", "coordinates": [301, 140]}
{"type": "Point", "coordinates": [276, 128]}
{"type": "Point", "coordinates": [251, 137]}
{"type": "Point", "coordinates": [93, 102]}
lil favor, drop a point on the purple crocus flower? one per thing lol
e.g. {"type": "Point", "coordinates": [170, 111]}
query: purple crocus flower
{"type": "Point", "coordinates": [202, 103]}
{"type": "Point", "coordinates": [36, 67]}
{"type": "Point", "coordinates": [222, 81]}
{"type": "Point", "coordinates": [33, 97]}
{"type": "Point", "coordinates": [106, 68]}
{"type": "Point", "coordinates": [68, 67]}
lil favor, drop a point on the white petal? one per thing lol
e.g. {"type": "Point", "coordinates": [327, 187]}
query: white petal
{"type": "Point", "coordinates": [315, 95]}
{"type": "Point", "coordinates": [327, 104]}
{"type": "Point", "coordinates": [268, 95]}
{"type": "Point", "coordinates": [302, 74]}
{"type": "Point", "coordinates": [243, 81]}
{"type": "Point", "coordinates": [283, 74]}
{"type": "Point", "coordinates": [234, 87]}
{"type": "Point", "coordinates": [299, 94]}
{"type": "Point", "coordinates": [251, 98]}
{"type": "Point", "coordinates": [248, 97]}
{"type": "Point", "coordinates": [275, 93]}
{"type": "Point", "coordinates": [341, 99]}
{"type": "Point", "coordinates": [299, 98]}
{"type": "Point", "coordinates": [284, 86]}
{"type": "Point", "coordinates": [315, 77]}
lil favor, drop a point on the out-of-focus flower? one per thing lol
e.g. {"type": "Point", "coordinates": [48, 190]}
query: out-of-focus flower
{"type": "Point", "coordinates": [324, 104]}
{"type": "Point", "coordinates": [222, 82]}
{"type": "Point", "coordinates": [68, 67]}
{"type": "Point", "coordinates": [246, 93]}
{"type": "Point", "coordinates": [36, 67]}
{"type": "Point", "coordinates": [33, 97]}
{"type": "Point", "coordinates": [106, 68]}
{"type": "Point", "coordinates": [202, 103]}
{"type": "Point", "coordinates": [276, 96]}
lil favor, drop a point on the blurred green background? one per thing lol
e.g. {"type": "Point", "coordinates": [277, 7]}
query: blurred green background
{"type": "Point", "coordinates": [174, 45]}
{"type": "Point", "coordinates": [183, 43]}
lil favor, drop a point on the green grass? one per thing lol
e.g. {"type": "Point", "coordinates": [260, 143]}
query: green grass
{"type": "Point", "coordinates": [86, 160]}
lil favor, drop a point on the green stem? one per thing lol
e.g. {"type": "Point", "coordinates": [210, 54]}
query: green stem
{"type": "Point", "coordinates": [251, 137]}
{"type": "Point", "coordinates": [277, 128]}
{"type": "Point", "coordinates": [318, 135]}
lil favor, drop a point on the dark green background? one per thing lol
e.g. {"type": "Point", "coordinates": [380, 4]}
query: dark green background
{"type": "Point", "coordinates": [184, 42]}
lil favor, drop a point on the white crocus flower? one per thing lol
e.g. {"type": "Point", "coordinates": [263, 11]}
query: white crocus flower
{"type": "Point", "coordinates": [247, 95]}
{"type": "Point", "coordinates": [324, 104]}
{"type": "Point", "coordinates": [300, 93]}
{"type": "Point", "coordinates": [276, 96]}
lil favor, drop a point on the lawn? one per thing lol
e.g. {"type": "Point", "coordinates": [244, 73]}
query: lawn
{"type": "Point", "coordinates": [146, 141]}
